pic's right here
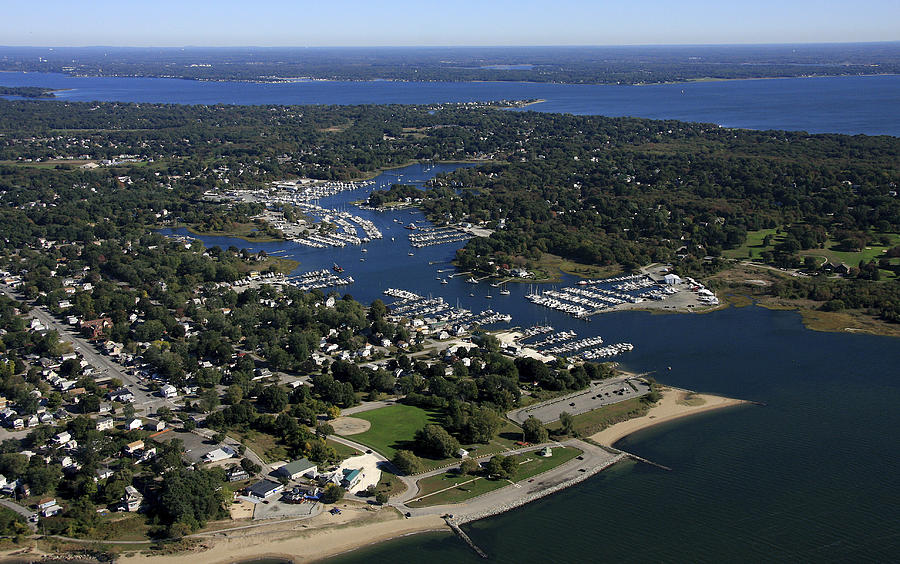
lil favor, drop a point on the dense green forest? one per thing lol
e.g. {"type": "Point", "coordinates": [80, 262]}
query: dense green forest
{"type": "Point", "coordinates": [26, 92]}
{"type": "Point", "coordinates": [596, 190]}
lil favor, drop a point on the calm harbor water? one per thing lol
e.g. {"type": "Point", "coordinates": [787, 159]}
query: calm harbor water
{"type": "Point", "coordinates": [860, 104]}
{"type": "Point", "coordinates": [814, 475]}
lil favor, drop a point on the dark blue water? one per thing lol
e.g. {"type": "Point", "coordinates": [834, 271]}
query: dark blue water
{"type": "Point", "coordinates": [812, 476]}
{"type": "Point", "coordinates": [868, 105]}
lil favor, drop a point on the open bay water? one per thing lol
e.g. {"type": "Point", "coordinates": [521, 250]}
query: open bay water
{"type": "Point", "coordinates": [847, 104]}
{"type": "Point", "coordinates": [812, 476]}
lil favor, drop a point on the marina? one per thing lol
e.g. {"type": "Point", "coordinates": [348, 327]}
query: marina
{"type": "Point", "coordinates": [774, 450]}
{"type": "Point", "coordinates": [429, 236]}
{"type": "Point", "coordinates": [437, 313]}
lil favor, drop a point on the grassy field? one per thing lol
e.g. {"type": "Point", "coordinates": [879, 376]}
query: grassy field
{"type": "Point", "coordinates": [390, 484]}
{"type": "Point", "coordinates": [341, 449]}
{"type": "Point", "coordinates": [263, 444]}
{"type": "Point", "coordinates": [393, 427]}
{"type": "Point", "coordinates": [595, 421]}
{"type": "Point", "coordinates": [245, 231]}
{"type": "Point", "coordinates": [549, 266]}
{"type": "Point", "coordinates": [753, 246]}
{"type": "Point", "coordinates": [852, 258]}
{"type": "Point", "coordinates": [531, 465]}
{"type": "Point", "coordinates": [122, 527]}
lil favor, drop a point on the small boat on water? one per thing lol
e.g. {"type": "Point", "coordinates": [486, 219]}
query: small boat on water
{"type": "Point", "coordinates": [504, 292]}
{"type": "Point", "coordinates": [410, 254]}
{"type": "Point", "coordinates": [365, 250]}
{"type": "Point", "coordinates": [337, 268]}
{"type": "Point", "coordinates": [362, 260]}
{"type": "Point", "coordinates": [444, 281]}
{"type": "Point", "coordinates": [471, 294]}
{"type": "Point", "coordinates": [472, 280]}
{"type": "Point", "coordinates": [490, 297]}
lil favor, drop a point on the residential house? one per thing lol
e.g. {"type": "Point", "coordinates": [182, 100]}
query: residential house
{"type": "Point", "coordinates": [132, 499]}
{"type": "Point", "coordinates": [156, 426]}
{"type": "Point", "coordinates": [132, 448]}
{"type": "Point", "coordinates": [96, 327]}
{"type": "Point", "coordinates": [105, 424]}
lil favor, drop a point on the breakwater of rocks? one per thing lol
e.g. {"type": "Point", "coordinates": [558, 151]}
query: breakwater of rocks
{"type": "Point", "coordinates": [528, 498]}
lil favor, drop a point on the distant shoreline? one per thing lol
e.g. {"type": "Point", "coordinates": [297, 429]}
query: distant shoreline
{"type": "Point", "coordinates": [302, 80]}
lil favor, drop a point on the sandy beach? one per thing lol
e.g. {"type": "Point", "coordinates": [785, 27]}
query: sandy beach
{"type": "Point", "coordinates": [297, 544]}
{"type": "Point", "coordinates": [359, 525]}
{"type": "Point", "coordinates": [675, 404]}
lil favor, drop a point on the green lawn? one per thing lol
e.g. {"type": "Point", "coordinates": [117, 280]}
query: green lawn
{"type": "Point", "coordinates": [341, 449]}
{"type": "Point", "coordinates": [390, 484]}
{"type": "Point", "coordinates": [393, 427]}
{"type": "Point", "coordinates": [263, 444]}
{"type": "Point", "coordinates": [852, 258]}
{"type": "Point", "coordinates": [531, 465]}
{"type": "Point", "coordinates": [753, 246]}
{"type": "Point", "coordinates": [467, 491]}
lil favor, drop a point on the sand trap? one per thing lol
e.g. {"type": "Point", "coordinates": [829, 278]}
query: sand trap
{"type": "Point", "coordinates": [350, 425]}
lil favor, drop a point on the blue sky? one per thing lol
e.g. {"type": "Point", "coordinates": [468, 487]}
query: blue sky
{"type": "Point", "coordinates": [448, 22]}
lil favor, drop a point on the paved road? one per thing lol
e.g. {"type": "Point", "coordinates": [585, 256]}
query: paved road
{"type": "Point", "coordinates": [23, 511]}
{"type": "Point", "coordinates": [369, 406]}
{"type": "Point", "coordinates": [412, 487]}
{"type": "Point", "coordinates": [362, 448]}
{"type": "Point", "coordinates": [105, 366]}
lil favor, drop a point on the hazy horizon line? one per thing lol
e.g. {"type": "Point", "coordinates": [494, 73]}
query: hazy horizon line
{"type": "Point", "coordinates": [495, 46]}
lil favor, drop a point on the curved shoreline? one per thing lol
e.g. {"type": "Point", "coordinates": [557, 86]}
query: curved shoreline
{"type": "Point", "coordinates": [320, 544]}
{"type": "Point", "coordinates": [670, 408]}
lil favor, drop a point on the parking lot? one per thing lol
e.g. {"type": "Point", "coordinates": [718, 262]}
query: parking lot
{"type": "Point", "coordinates": [604, 392]}
{"type": "Point", "coordinates": [195, 446]}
